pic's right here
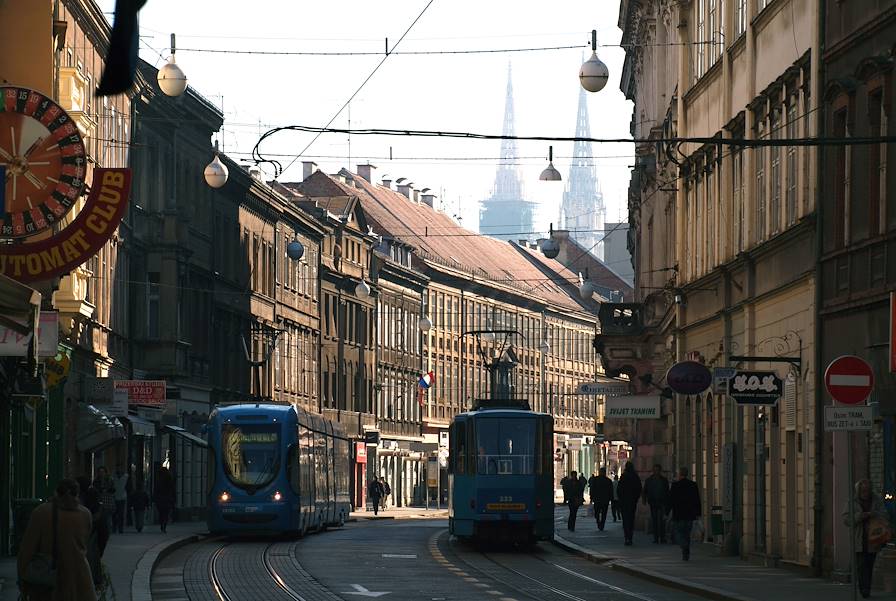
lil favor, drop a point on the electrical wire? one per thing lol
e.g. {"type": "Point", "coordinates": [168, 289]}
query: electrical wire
{"type": "Point", "coordinates": [276, 164]}
{"type": "Point", "coordinates": [371, 53]}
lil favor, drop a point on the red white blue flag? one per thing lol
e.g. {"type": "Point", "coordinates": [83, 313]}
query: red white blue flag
{"type": "Point", "coordinates": [426, 380]}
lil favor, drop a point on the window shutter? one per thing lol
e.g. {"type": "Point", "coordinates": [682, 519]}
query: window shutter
{"type": "Point", "coordinates": [790, 386]}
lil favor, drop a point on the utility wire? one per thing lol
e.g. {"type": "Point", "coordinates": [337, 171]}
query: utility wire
{"type": "Point", "coordinates": [379, 53]}
{"type": "Point", "coordinates": [257, 154]}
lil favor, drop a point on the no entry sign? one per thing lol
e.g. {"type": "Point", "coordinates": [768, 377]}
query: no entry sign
{"type": "Point", "coordinates": [849, 379]}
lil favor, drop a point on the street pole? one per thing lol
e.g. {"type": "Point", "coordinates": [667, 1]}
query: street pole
{"type": "Point", "coordinates": [852, 514]}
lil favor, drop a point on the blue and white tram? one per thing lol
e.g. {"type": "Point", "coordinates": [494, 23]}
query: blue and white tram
{"type": "Point", "coordinates": [501, 473]}
{"type": "Point", "coordinates": [275, 469]}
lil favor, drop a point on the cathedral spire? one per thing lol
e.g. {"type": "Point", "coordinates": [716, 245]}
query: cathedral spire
{"type": "Point", "coordinates": [583, 211]}
{"type": "Point", "coordinates": [506, 214]}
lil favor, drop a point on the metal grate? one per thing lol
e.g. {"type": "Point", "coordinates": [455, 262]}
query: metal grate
{"type": "Point", "coordinates": [790, 385]}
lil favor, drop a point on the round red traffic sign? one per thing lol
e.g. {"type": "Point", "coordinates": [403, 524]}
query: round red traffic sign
{"type": "Point", "coordinates": [849, 379]}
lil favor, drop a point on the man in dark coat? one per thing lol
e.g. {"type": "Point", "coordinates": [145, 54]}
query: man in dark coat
{"type": "Point", "coordinates": [629, 491]}
{"type": "Point", "coordinates": [656, 494]}
{"type": "Point", "coordinates": [684, 501]}
{"type": "Point", "coordinates": [375, 492]}
{"type": "Point", "coordinates": [601, 490]}
{"type": "Point", "coordinates": [575, 497]}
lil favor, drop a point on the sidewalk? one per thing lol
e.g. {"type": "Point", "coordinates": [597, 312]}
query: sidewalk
{"type": "Point", "coordinates": [401, 513]}
{"type": "Point", "coordinates": [707, 574]}
{"type": "Point", "coordinates": [129, 558]}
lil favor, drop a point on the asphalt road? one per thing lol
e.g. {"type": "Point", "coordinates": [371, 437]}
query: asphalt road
{"type": "Point", "coordinates": [394, 560]}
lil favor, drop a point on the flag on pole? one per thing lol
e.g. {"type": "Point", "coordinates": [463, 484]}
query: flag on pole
{"type": "Point", "coordinates": [426, 380]}
{"type": "Point", "coordinates": [423, 384]}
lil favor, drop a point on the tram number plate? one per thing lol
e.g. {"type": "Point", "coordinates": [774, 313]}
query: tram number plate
{"type": "Point", "coordinates": [251, 509]}
{"type": "Point", "coordinates": [505, 506]}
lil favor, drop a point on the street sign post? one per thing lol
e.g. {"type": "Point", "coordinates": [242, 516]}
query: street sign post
{"type": "Point", "coordinates": [848, 419]}
{"type": "Point", "coordinates": [619, 388]}
{"type": "Point", "coordinates": [849, 380]}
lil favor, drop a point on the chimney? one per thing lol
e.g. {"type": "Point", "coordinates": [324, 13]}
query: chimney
{"type": "Point", "coordinates": [367, 171]}
{"type": "Point", "coordinates": [308, 167]}
{"type": "Point", "coordinates": [387, 181]}
{"type": "Point", "coordinates": [406, 187]}
{"type": "Point", "coordinates": [428, 197]}
{"type": "Point", "coordinates": [417, 196]}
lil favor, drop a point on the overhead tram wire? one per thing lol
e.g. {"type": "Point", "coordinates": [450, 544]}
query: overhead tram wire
{"type": "Point", "coordinates": [255, 150]}
{"type": "Point", "coordinates": [379, 53]}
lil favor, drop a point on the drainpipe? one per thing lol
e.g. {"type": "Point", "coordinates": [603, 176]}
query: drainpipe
{"type": "Point", "coordinates": [818, 506]}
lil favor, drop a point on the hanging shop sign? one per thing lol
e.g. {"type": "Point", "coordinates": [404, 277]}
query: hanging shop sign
{"type": "Point", "coordinates": [720, 377]}
{"type": "Point", "coordinates": [633, 407]}
{"type": "Point", "coordinates": [148, 393]}
{"type": "Point", "coordinates": [83, 238]}
{"type": "Point", "coordinates": [15, 344]}
{"type": "Point", "coordinates": [610, 388]}
{"type": "Point", "coordinates": [360, 452]}
{"type": "Point", "coordinates": [689, 377]}
{"type": "Point", "coordinates": [755, 388]}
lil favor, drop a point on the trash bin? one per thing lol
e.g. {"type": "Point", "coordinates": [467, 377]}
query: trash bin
{"type": "Point", "coordinates": [22, 509]}
{"type": "Point", "coordinates": [716, 527]}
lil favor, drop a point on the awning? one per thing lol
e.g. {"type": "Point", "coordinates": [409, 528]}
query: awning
{"type": "Point", "coordinates": [19, 308]}
{"type": "Point", "coordinates": [178, 431]}
{"type": "Point", "coordinates": [96, 429]}
{"type": "Point", "coordinates": [141, 427]}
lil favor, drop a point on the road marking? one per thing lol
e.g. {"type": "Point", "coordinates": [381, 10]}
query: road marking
{"type": "Point", "coordinates": [600, 582]}
{"type": "Point", "coordinates": [471, 579]}
{"type": "Point", "coordinates": [363, 592]}
{"type": "Point", "coordinates": [400, 556]}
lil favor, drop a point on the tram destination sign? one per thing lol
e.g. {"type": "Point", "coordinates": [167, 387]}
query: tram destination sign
{"type": "Point", "coordinates": [633, 407]}
{"type": "Point", "coordinates": [603, 388]}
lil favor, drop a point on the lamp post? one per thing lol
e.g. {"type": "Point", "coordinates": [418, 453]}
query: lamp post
{"type": "Point", "coordinates": [171, 78]}
{"type": "Point", "coordinates": [594, 73]}
{"type": "Point", "coordinates": [550, 174]}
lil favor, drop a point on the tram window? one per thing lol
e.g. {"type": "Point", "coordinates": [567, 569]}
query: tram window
{"type": "Point", "coordinates": [293, 472]}
{"type": "Point", "coordinates": [251, 454]}
{"type": "Point", "coordinates": [460, 439]}
{"type": "Point", "coordinates": [505, 446]}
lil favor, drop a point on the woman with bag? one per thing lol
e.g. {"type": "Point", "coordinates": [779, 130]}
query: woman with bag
{"type": "Point", "coordinates": [52, 560]}
{"type": "Point", "coordinates": [870, 529]}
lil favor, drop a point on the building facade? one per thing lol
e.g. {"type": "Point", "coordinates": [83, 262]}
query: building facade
{"type": "Point", "coordinates": [723, 243]}
{"type": "Point", "coordinates": [857, 229]}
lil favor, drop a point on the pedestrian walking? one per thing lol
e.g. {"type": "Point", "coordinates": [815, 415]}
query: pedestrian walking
{"type": "Point", "coordinates": [106, 489]}
{"type": "Point", "coordinates": [614, 503]}
{"type": "Point", "coordinates": [601, 490]}
{"type": "Point", "coordinates": [684, 503]}
{"type": "Point", "coordinates": [57, 535]}
{"type": "Point", "coordinates": [870, 530]}
{"type": "Point", "coordinates": [564, 485]}
{"type": "Point", "coordinates": [99, 536]}
{"type": "Point", "coordinates": [375, 492]}
{"type": "Point", "coordinates": [629, 491]}
{"type": "Point", "coordinates": [120, 488]}
{"type": "Point", "coordinates": [163, 497]}
{"type": "Point", "coordinates": [387, 490]}
{"type": "Point", "coordinates": [656, 495]}
{"type": "Point", "coordinates": [139, 504]}
{"type": "Point", "coordinates": [575, 496]}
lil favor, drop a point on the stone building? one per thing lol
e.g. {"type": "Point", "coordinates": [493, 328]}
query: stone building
{"type": "Point", "coordinates": [857, 229]}
{"type": "Point", "coordinates": [723, 238]}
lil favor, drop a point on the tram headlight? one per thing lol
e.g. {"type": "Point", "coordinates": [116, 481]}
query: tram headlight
{"type": "Point", "coordinates": [224, 497]}
{"type": "Point", "coordinates": [277, 496]}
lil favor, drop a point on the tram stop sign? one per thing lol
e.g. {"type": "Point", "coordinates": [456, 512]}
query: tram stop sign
{"type": "Point", "coordinates": [849, 380]}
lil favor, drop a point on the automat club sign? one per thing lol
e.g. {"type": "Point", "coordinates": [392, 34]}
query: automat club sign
{"type": "Point", "coordinates": [43, 171]}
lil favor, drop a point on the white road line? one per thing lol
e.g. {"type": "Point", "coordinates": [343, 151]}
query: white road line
{"type": "Point", "coordinates": [609, 586]}
{"type": "Point", "coordinates": [399, 556]}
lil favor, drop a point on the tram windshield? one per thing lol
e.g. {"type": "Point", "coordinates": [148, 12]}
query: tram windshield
{"type": "Point", "coordinates": [505, 446]}
{"type": "Point", "coordinates": [251, 453]}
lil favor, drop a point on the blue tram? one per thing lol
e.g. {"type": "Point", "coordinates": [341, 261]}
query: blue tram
{"type": "Point", "coordinates": [275, 469]}
{"type": "Point", "coordinates": [501, 473]}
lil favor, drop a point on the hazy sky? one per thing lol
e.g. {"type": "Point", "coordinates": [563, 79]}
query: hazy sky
{"type": "Point", "coordinates": [428, 92]}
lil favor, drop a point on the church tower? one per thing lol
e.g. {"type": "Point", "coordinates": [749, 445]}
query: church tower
{"type": "Point", "coordinates": [583, 212]}
{"type": "Point", "coordinates": [506, 214]}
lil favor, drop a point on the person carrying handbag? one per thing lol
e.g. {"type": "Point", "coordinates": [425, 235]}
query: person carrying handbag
{"type": "Point", "coordinates": [52, 559]}
{"type": "Point", "coordinates": [870, 530]}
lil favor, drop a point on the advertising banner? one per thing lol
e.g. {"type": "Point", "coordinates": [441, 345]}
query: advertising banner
{"type": "Point", "coordinates": [14, 344]}
{"type": "Point", "coordinates": [149, 393]}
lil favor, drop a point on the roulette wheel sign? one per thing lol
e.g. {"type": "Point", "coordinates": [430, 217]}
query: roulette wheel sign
{"type": "Point", "coordinates": [43, 162]}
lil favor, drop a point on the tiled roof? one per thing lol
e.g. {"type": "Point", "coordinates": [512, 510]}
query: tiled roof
{"type": "Point", "coordinates": [443, 243]}
{"type": "Point", "coordinates": [598, 272]}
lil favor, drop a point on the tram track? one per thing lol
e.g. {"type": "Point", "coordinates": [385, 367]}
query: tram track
{"type": "Point", "coordinates": [537, 588]}
{"type": "Point", "coordinates": [281, 587]}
